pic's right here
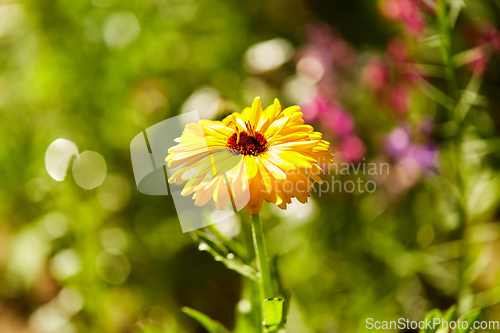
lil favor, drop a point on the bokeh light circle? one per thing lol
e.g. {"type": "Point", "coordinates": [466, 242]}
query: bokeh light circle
{"type": "Point", "coordinates": [58, 156]}
{"type": "Point", "coordinates": [113, 266]}
{"type": "Point", "coordinates": [89, 170]}
{"type": "Point", "coordinates": [121, 29]}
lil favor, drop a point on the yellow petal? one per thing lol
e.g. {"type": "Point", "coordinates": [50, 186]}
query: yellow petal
{"type": "Point", "coordinates": [256, 111]}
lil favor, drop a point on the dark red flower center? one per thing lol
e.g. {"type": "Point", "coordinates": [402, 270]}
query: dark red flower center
{"type": "Point", "coordinates": [246, 144]}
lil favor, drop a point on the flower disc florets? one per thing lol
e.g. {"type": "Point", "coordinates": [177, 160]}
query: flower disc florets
{"type": "Point", "coordinates": [242, 143]}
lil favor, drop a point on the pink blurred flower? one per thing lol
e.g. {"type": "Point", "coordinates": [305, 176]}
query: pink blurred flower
{"type": "Point", "coordinates": [353, 148]}
{"type": "Point", "coordinates": [485, 39]}
{"type": "Point", "coordinates": [397, 141]}
{"type": "Point", "coordinates": [490, 35]}
{"type": "Point", "coordinates": [479, 62]}
{"type": "Point", "coordinates": [324, 54]}
{"type": "Point", "coordinates": [324, 58]}
{"type": "Point", "coordinates": [414, 24]}
{"type": "Point", "coordinates": [392, 82]}
{"type": "Point", "coordinates": [330, 114]}
{"type": "Point", "coordinates": [341, 122]}
{"type": "Point", "coordinates": [411, 74]}
{"type": "Point", "coordinates": [390, 9]}
{"type": "Point", "coordinates": [317, 108]}
{"type": "Point", "coordinates": [399, 99]}
{"type": "Point", "coordinates": [426, 156]}
{"type": "Point", "coordinates": [376, 73]}
{"type": "Point", "coordinates": [399, 145]}
{"type": "Point", "coordinates": [406, 12]}
{"type": "Point", "coordinates": [397, 50]}
{"type": "Point", "coordinates": [343, 53]}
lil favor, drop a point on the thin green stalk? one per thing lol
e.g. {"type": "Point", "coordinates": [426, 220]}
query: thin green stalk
{"type": "Point", "coordinates": [446, 48]}
{"type": "Point", "coordinates": [254, 286]}
{"type": "Point", "coordinates": [261, 256]}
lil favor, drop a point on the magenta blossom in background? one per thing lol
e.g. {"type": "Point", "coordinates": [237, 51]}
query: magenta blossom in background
{"type": "Point", "coordinates": [353, 148]}
{"type": "Point", "coordinates": [397, 141]}
{"type": "Point", "coordinates": [335, 50]}
{"type": "Point", "coordinates": [324, 59]}
{"type": "Point", "coordinates": [426, 156]}
{"type": "Point", "coordinates": [337, 121]}
{"type": "Point", "coordinates": [334, 119]}
{"type": "Point", "coordinates": [491, 36]}
{"type": "Point", "coordinates": [399, 98]}
{"type": "Point", "coordinates": [317, 108]}
{"type": "Point", "coordinates": [343, 54]}
{"type": "Point", "coordinates": [340, 122]}
{"type": "Point", "coordinates": [324, 56]}
{"type": "Point", "coordinates": [405, 11]}
{"type": "Point", "coordinates": [397, 50]}
{"type": "Point", "coordinates": [391, 78]}
{"type": "Point", "coordinates": [485, 39]}
{"type": "Point", "coordinates": [479, 62]}
{"type": "Point", "coordinates": [330, 114]}
{"type": "Point", "coordinates": [484, 35]}
{"type": "Point", "coordinates": [399, 144]}
{"type": "Point", "coordinates": [376, 73]}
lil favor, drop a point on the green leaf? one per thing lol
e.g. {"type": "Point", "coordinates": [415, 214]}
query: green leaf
{"type": "Point", "coordinates": [273, 310]}
{"type": "Point", "coordinates": [156, 328]}
{"type": "Point", "coordinates": [209, 324]}
{"type": "Point", "coordinates": [430, 318]}
{"type": "Point", "coordinates": [150, 329]}
{"type": "Point", "coordinates": [433, 41]}
{"type": "Point", "coordinates": [470, 318]}
{"type": "Point", "coordinates": [220, 253]}
{"type": "Point", "coordinates": [435, 94]}
{"type": "Point", "coordinates": [232, 246]}
{"type": "Point", "coordinates": [469, 96]}
{"type": "Point", "coordinates": [448, 316]}
{"type": "Point", "coordinates": [248, 318]}
{"type": "Point", "coordinates": [429, 70]}
{"type": "Point", "coordinates": [455, 8]}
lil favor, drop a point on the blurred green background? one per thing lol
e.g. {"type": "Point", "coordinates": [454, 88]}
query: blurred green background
{"type": "Point", "coordinates": [370, 75]}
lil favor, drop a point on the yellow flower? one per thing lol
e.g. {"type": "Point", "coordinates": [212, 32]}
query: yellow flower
{"type": "Point", "coordinates": [249, 157]}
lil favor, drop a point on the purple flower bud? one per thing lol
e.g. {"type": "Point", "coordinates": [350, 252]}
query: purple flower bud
{"type": "Point", "coordinates": [426, 156]}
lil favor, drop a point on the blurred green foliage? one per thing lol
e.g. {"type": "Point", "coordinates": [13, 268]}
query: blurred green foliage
{"type": "Point", "coordinates": [98, 72]}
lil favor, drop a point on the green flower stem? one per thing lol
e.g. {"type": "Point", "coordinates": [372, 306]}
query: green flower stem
{"type": "Point", "coordinates": [460, 181]}
{"type": "Point", "coordinates": [445, 46]}
{"type": "Point", "coordinates": [259, 243]}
